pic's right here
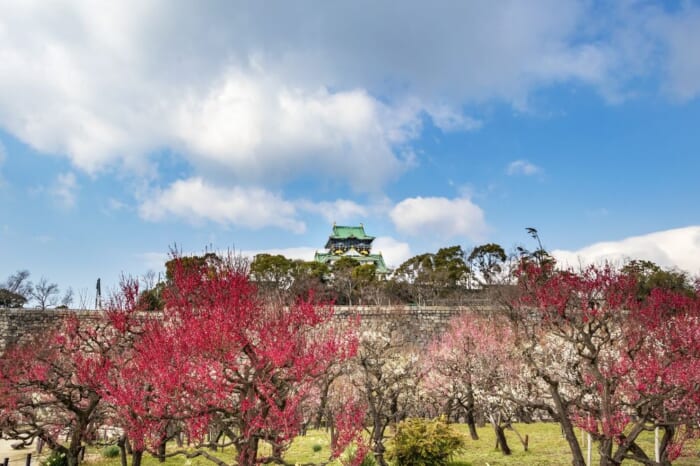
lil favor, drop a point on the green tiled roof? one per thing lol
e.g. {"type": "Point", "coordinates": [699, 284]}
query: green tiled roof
{"type": "Point", "coordinates": [349, 236]}
{"type": "Point", "coordinates": [378, 260]}
{"type": "Point", "coordinates": [345, 232]}
{"type": "Point", "coordinates": [375, 259]}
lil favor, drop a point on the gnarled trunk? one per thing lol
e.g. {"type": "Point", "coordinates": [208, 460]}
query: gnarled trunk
{"type": "Point", "coordinates": [501, 441]}
{"type": "Point", "coordinates": [247, 452]}
{"type": "Point", "coordinates": [566, 426]}
{"type": "Point", "coordinates": [121, 443]}
{"type": "Point", "coordinates": [136, 456]}
{"type": "Point", "coordinates": [470, 414]}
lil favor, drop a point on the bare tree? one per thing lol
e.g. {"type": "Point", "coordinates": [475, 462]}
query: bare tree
{"type": "Point", "coordinates": [83, 298]}
{"type": "Point", "coordinates": [19, 283]}
{"type": "Point", "coordinates": [387, 376]}
{"type": "Point", "coordinates": [45, 293]}
{"type": "Point", "coordinates": [149, 280]}
{"type": "Point", "coordinates": [67, 299]}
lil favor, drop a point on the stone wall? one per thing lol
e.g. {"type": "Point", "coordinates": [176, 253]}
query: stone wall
{"type": "Point", "coordinates": [410, 323]}
{"type": "Point", "coordinates": [15, 323]}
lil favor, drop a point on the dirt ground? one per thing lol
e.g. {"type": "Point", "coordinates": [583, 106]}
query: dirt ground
{"type": "Point", "coordinates": [17, 457]}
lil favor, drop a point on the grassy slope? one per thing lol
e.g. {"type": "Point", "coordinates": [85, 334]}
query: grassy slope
{"type": "Point", "coordinates": [546, 447]}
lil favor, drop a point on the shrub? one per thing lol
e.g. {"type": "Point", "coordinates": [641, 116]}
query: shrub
{"type": "Point", "coordinates": [55, 459]}
{"type": "Point", "coordinates": [110, 451]}
{"type": "Point", "coordinates": [349, 457]}
{"type": "Point", "coordinates": [317, 447]}
{"type": "Point", "coordinates": [421, 442]}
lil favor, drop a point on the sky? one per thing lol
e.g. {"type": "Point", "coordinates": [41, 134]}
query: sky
{"type": "Point", "coordinates": [129, 128]}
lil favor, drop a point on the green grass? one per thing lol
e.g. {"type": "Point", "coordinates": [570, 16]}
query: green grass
{"type": "Point", "coordinates": [546, 447]}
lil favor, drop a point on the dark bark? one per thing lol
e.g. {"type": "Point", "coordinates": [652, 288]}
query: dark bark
{"type": "Point", "coordinates": [161, 452]}
{"type": "Point", "coordinates": [448, 408]}
{"type": "Point", "coordinates": [605, 447]}
{"type": "Point", "coordinates": [323, 403]}
{"type": "Point", "coordinates": [566, 426]}
{"type": "Point", "coordinates": [669, 432]}
{"type": "Point", "coordinates": [378, 442]}
{"type": "Point", "coordinates": [470, 405]}
{"type": "Point", "coordinates": [501, 441]}
{"type": "Point", "coordinates": [72, 458]}
{"type": "Point", "coordinates": [121, 443]}
{"type": "Point", "coordinates": [136, 456]}
{"type": "Point", "coordinates": [628, 444]}
{"type": "Point", "coordinates": [247, 451]}
{"type": "Point", "coordinates": [127, 446]}
{"type": "Point", "coordinates": [471, 423]}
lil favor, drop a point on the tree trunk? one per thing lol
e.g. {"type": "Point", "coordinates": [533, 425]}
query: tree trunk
{"type": "Point", "coordinates": [378, 444]}
{"type": "Point", "coordinates": [605, 450]}
{"type": "Point", "coordinates": [277, 451]}
{"type": "Point", "coordinates": [501, 441]}
{"type": "Point", "coordinates": [121, 443]}
{"type": "Point", "coordinates": [136, 456]}
{"type": "Point", "coordinates": [323, 403]}
{"type": "Point", "coordinates": [448, 408]}
{"type": "Point", "coordinates": [214, 436]}
{"type": "Point", "coordinates": [72, 457]}
{"type": "Point", "coordinates": [470, 415]}
{"type": "Point", "coordinates": [161, 453]}
{"type": "Point", "coordinates": [127, 446]}
{"type": "Point", "coordinates": [73, 450]}
{"type": "Point", "coordinates": [247, 452]}
{"type": "Point", "coordinates": [566, 427]}
{"type": "Point", "coordinates": [472, 425]}
{"type": "Point", "coordinates": [669, 431]}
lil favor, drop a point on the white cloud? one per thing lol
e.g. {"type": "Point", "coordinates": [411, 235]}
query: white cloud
{"type": "Point", "coordinates": [258, 129]}
{"type": "Point", "coordinates": [439, 217]}
{"type": "Point", "coordinates": [680, 34]}
{"type": "Point", "coordinates": [679, 247]}
{"type": "Point", "coordinates": [449, 119]}
{"type": "Point", "coordinates": [153, 260]}
{"type": "Point", "coordinates": [64, 190]}
{"type": "Point", "coordinates": [302, 253]}
{"type": "Point", "coordinates": [523, 167]}
{"type": "Point", "coordinates": [274, 93]}
{"type": "Point", "coordinates": [195, 200]}
{"type": "Point", "coordinates": [394, 252]}
{"type": "Point", "coordinates": [115, 204]}
{"type": "Point", "coordinates": [340, 210]}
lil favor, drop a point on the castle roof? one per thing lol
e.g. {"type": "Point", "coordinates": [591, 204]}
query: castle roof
{"type": "Point", "coordinates": [376, 259]}
{"type": "Point", "coordinates": [351, 241]}
{"type": "Point", "coordinates": [348, 232]}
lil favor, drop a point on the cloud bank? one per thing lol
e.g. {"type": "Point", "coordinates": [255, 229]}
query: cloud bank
{"type": "Point", "coordinates": [251, 99]}
{"type": "Point", "coordinates": [275, 93]}
{"type": "Point", "coordinates": [439, 217]}
{"type": "Point", "coordinates": [679, 247]}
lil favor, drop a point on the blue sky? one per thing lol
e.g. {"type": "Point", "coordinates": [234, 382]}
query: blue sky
{"type": "Point", "coordinates": [129, 127]}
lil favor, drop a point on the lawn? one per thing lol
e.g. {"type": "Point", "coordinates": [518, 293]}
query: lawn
{"type": "Point", "coordinates": [546, 447]}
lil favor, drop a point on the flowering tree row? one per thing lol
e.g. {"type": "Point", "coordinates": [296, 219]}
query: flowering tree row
{"type": "Point", "coordinates": [216, 357]}
{"type": "Point", "coordinates": [585, 349]}
{"type": "Point", "coordinates": [590, 349]}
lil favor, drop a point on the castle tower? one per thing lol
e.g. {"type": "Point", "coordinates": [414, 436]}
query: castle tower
{"type": "Point", "coordinates": [351, 241]}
